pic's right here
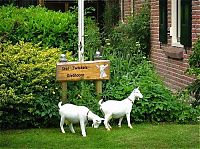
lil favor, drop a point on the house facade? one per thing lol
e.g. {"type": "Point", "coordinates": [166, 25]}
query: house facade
{"type": "Point", "coordinates": [174, 27]}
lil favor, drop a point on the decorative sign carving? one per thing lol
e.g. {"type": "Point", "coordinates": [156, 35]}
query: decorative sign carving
{"type": "Point", "coordinates": [87, 70]}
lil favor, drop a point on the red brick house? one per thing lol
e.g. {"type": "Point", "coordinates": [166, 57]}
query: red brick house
{"type": "Point", "coordinates": [174, 27]}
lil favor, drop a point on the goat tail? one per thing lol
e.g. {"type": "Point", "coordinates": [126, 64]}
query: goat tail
{"type": "Point", "coordinates": [100, 102]}
{"type": "Point", "coordinates": [60, 104]}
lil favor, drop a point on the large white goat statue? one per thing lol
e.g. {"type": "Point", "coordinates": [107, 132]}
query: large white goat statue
{"type": "Point", "coordinates": [118, 109]}
{"type": "Point", "coordinates": [77, 114]}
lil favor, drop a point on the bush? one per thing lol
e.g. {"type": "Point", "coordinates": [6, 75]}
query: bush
{"type": "Point", "coordinates": [158, 105]}
{"type": "Point", "coordinates": [130, 68]}
{"type": "Point", "coordinates": [194, 59]}
{"type": "Point", "coordinates": [38, 25]}
{"type": "Point", "coordinates": [194, 62]}
{"type": "Point", "coordinates": [27, 72]}
{"type": "Point", "coordinates": [28, 91]}
{"type": "Point", "coordinates": [111, 15]}
{"type": "Point", "coordinates": [92, 39]}
{"type": "Point", "coordinates": [47, 27]}
{"type": "Point", "coordinates": [127, 37]}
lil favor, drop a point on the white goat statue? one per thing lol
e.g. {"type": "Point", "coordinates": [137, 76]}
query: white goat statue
{"type": "Point", "coordinates": [118, 109]}
{"type": "Point", "coordinates": [71, 114]}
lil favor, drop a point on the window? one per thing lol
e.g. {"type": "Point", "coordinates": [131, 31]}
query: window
{"type": "Point", "coordinates": [163, 21]}
{"type": "Point", "coordinates": [132, 6]}
{"type": "Point", "coordinates": [186, 23]}
{"type": "Point", "coordinates": [175, 29]}
{"type": "Point", "coordinates": [180, 29]}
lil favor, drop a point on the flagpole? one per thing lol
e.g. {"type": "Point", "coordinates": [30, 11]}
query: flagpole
{"type": "Point", "coordinates": [81, 30]}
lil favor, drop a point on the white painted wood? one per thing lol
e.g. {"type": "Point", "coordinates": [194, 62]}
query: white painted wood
{"type": "Point", "coordinates": [81, 30]}
{"type": "Point", "coordinates": [175, 19]}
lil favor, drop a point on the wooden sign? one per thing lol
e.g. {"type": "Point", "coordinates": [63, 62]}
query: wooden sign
{"type": "Point", "coordinates": [87, 70]}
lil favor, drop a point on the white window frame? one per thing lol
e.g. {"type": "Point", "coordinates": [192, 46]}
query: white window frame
{"type": "Point", "coordinates": [175, 28]}
{"type": "Point", "coordinates": [122, 10]}
{"type": "Point", "coordinates": [132, 7]}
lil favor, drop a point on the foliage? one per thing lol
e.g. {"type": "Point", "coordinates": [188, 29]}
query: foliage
{"type": "Point", "coordinates": [139, 28]}
{"type": "Point", "coordinates": [49, 28]}
{"type": "Point", "coordinates": [28, 91]}
{"type": "Point", "coordinates": [127, 37]}
{"type": "Point", "coordinates": [158, 104]}
{"type": "Point", "coordinates": [130, 68]}
{"type": "Point", "coordinates": [111, 15]}
{"type": "Point", "coordinates": [28, 84]}
{"type": "Point", "coordinates": [194, 62]}
{"type": "Point", "coordinates": [194, 59]}
{"type": "Point", "coordinates": [92, 39]}
{"type": "Point", "coordinates": [36, 24]}
{"type": "Point", "coordinates": [29, 94]}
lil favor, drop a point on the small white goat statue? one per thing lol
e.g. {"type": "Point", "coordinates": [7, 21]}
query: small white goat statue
{"type": "Point", "coordinates": [118, 109]}
{"type": "Point", "coordinates": [102, 70]}
{"type": "Point", "coordinates": [71, 114]}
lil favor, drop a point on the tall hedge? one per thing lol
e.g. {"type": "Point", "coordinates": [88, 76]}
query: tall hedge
{"type": "Point", "coordinates": [28, 91]}
{"type": "Point", "coordinates": [47, 27]}
{"type": "Point", "coordinates": [31, 40]}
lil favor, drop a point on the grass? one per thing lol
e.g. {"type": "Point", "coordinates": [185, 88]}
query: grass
{"type": "Point", "coordinates": [146, 136]}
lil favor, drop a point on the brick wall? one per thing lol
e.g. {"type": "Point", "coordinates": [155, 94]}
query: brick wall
{"type": "Point", "coordinates": [195, 20]}
{"type": "Point", "coordinates": [127, 8]}
{"type": "Point", "coordinates": [172, 71]}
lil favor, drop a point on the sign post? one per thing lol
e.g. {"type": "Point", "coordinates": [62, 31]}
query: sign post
{"type": "Point", "coordinates": [97, 70]}
{"type": "Point", "coordinates": [88, 70]}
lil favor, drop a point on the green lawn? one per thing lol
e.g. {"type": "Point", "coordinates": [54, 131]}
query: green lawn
{"type": "Point", "coordinates": [141, 136]}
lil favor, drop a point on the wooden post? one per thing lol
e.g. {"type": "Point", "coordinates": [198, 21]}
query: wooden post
{"type": "Point", "coordinates": [66, 6]}
{"type": "Point", "coordinates": [97, 70]}
{"type": "Point", "coordinates": [98, 85]}
{"type": "Point", "coordinates": [41, 2]}
{"type": "Point", "coordinates": [64, 91]}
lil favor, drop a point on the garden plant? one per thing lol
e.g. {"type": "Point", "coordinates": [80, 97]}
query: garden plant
{"type": "Point", "coordinates": [32, 40]}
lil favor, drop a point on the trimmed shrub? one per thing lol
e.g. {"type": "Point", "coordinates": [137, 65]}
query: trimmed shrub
{"type": "Point", "coordinates": [47, 27]}
{"type": "Point", "coordinates": [28, 73]}
{"type": "Point", "coordinates": [28, 91]}
{"type": "Point", "coordinates": [38, 25]}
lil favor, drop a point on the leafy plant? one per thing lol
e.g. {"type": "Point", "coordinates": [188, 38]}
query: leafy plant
{"type": "Point", "coordinates": [126, 48]}
{"type": "Point", "coordinates": [47, 27]}
{"type": "Point", "coordinates": [194, 62]}
{"type": "Point", "coordinates": [27, 74]}
{"type": "Point", "coordinates": [111, 15]}
{"type": "Point", "coordinates": [28, 91]}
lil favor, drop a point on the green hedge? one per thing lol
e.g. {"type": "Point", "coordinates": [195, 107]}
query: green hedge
{"type": "Point", "coordinates": [38, 25]}
{"type": "Point", "coordinates": [27, 72]}
{"type": "Point", "coordinates": [49, 28]}
{"type": "Point", "coordinates": [28, 91]}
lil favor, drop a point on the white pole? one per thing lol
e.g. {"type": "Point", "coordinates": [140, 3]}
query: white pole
{"type": "Point", "coordinates": [81, 30]}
